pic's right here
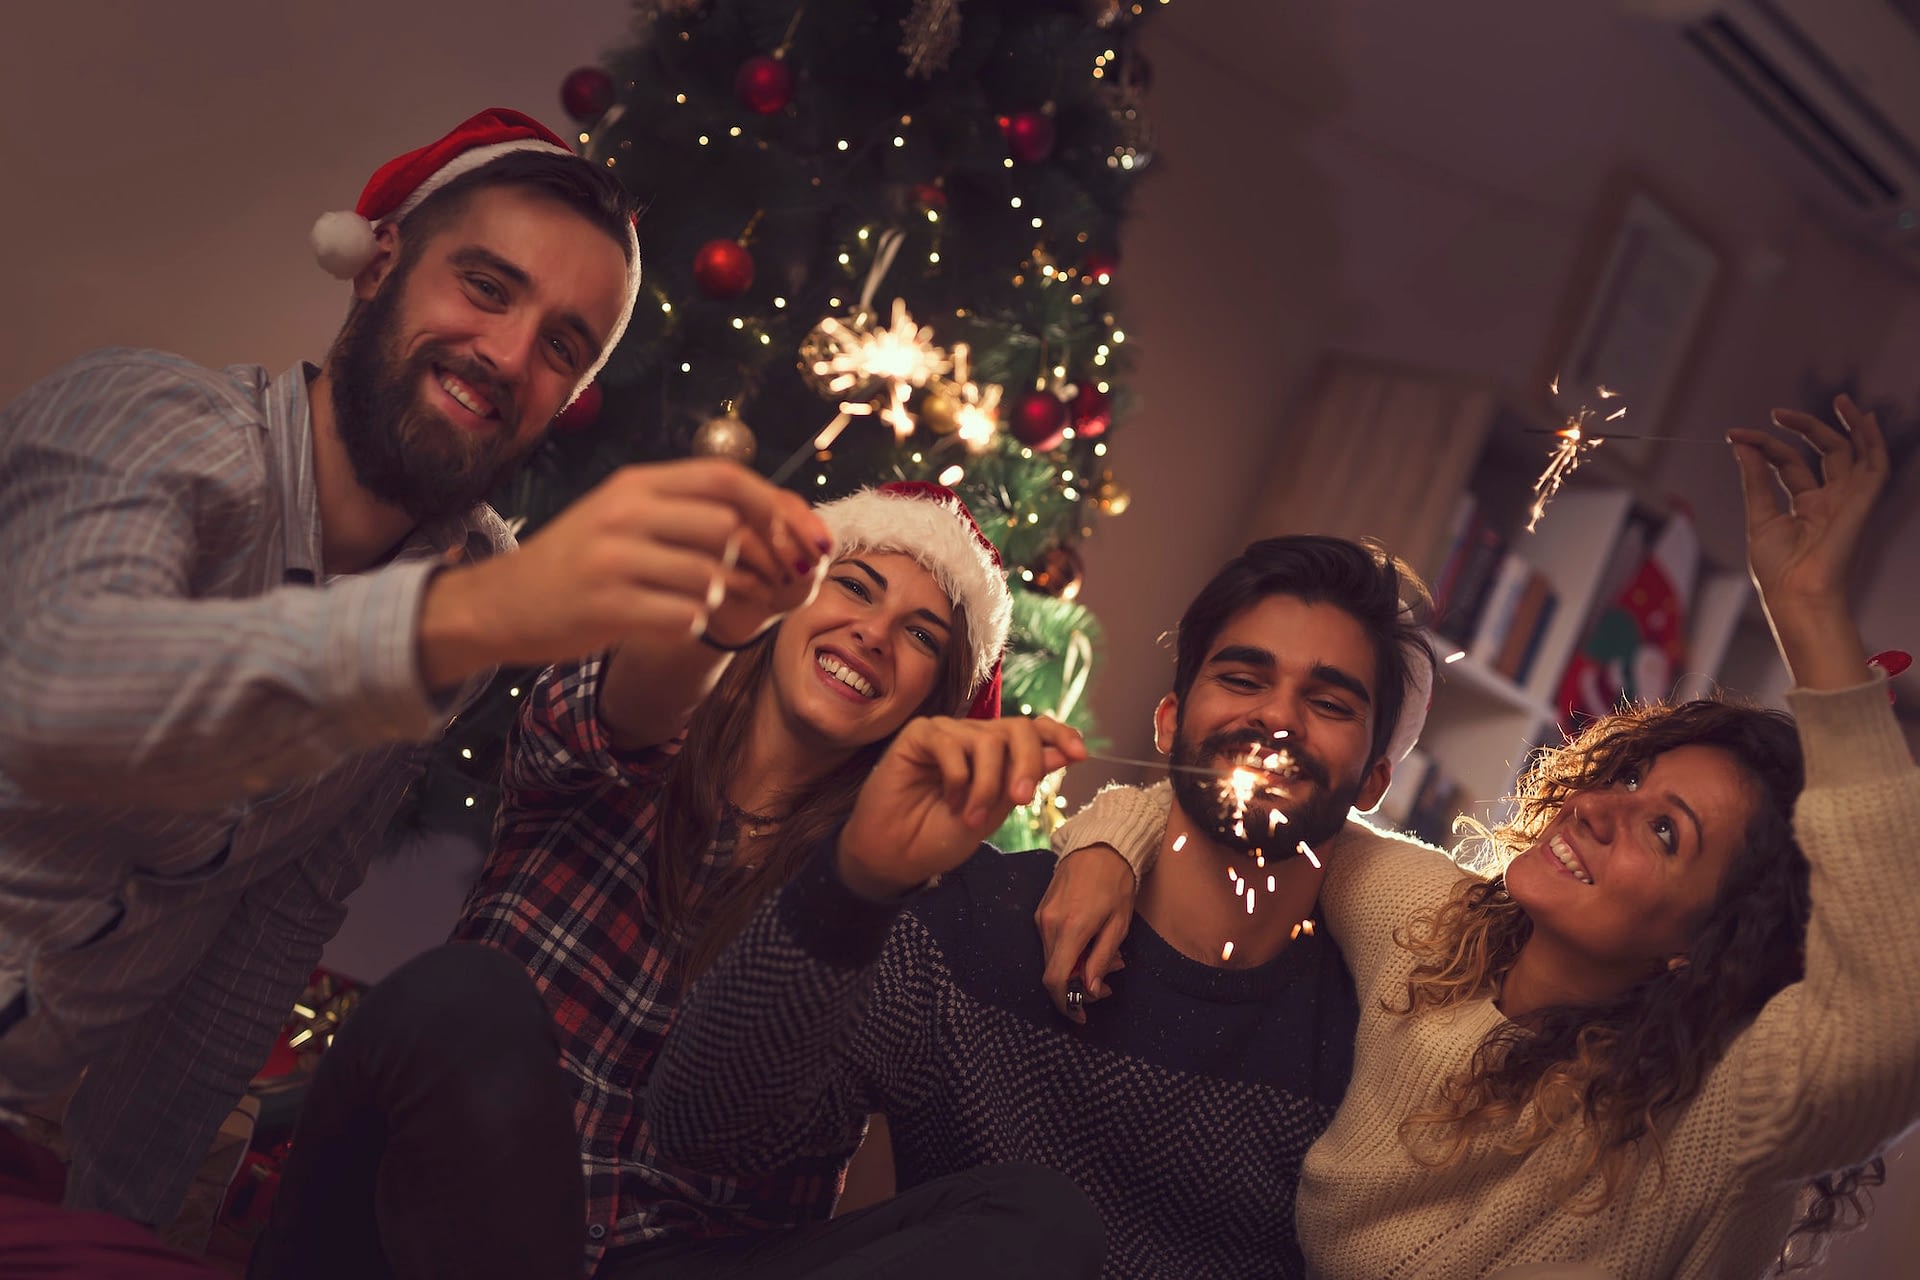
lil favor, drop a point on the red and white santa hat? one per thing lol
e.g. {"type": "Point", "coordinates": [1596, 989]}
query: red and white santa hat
{"type": "Point", "coordinates": [343, 241]}
{"type": "Point", "coordinates": [930, 523]}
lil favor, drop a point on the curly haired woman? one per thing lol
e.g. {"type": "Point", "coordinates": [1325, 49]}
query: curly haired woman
{"type": "Point", "coordinates": [1672, 1036]}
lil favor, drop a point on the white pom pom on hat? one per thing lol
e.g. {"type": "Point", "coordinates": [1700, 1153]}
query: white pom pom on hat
{"type": "Point", "coordinates": [343, 242]}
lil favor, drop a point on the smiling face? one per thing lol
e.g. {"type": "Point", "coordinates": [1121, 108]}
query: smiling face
{"type": "Point", "coordinates": [1622, 878]}
{"type": "Point", "coordinates": [864, 656]}
{"type": "Point", "coordinates": [1282, 665]}
{"type": "Point", "coordinates": [463, 347]}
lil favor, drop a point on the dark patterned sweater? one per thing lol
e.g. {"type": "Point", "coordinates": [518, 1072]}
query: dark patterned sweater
{"type": "Point", "coordinates": [1183, 1107]}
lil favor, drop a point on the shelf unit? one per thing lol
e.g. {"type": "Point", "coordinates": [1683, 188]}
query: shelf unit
{"type": "Point", "coordinates": [1388, 450]}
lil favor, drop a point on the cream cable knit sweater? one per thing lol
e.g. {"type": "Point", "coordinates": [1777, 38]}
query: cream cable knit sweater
{"type": "Point", "coordinates": [1825, 1077]}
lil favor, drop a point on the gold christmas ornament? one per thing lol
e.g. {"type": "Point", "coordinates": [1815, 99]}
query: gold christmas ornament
{"type": "Point", "coordinates": [1111, 496]}
{"type": "Point", "coordinates": [940, 410]}
{"type": "Point", "coordinates": [820, 358]}
{"type": "Point", "coordinates": [726, 437]}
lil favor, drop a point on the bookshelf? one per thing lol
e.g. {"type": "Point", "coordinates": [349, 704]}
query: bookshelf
{"type": "Point", "coordinates": [1412, 458]}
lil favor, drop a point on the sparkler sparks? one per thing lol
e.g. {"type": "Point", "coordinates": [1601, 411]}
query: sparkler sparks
{"type": "Point", "coordinates": [976, 410]}
{"type": "Point", "coordinates": [1179, 843]}
{"type": "Point", "coordinates": [1226, 952]}
{"type": "Point", "coordinates": [1575, 444]}
{"type": "Point", "coordinates": [900, 356]}
{"type": "Point", "coordinates": [1308, 852]}
{"type": "Point", "coordinates": [1256, 774]}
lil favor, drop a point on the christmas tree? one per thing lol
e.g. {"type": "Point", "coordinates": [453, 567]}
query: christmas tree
{"type": "Point", "coordinates": [892, 221]}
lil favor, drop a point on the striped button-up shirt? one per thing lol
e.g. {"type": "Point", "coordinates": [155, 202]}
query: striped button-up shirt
{"type": "Point", "coordinates": [569, 892]}
{"type": "Point", "coordinates": [202, 740]}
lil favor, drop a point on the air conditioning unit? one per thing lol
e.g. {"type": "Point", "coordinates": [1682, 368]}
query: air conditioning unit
{"type": "Point", "coordinates": [1841, 78]}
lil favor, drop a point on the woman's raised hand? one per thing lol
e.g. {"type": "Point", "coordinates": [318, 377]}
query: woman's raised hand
{"type": "Point", "coordinates": [1803, 528]}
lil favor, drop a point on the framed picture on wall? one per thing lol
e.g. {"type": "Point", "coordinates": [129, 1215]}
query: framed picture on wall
{"type": "Point", "coordinates": [1637, 322]}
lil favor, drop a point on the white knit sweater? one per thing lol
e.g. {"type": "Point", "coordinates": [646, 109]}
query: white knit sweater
{"type": "Point", "coordinates": [1825, 1077]}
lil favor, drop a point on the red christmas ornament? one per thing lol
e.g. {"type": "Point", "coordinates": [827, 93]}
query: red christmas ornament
{"type": "Point", "coordinates": [1100, 266]}
{"type": "Point", "coordinates": [1092, 412]}
{"type": "Point", "coordinates": [1038, 418]}
{"type": "Point", "coordinates": [764, 84]}
{"type": "Point", "coordinates": [724, 268]}
{"type": "Point", "coordinates": [586, 93]}
{"type": "Point", "coordinates": [583, 412]}
{"type": "Point", "coordinates": [1029, 135]}
{"type": "Point", "coordinates": [929, 195]}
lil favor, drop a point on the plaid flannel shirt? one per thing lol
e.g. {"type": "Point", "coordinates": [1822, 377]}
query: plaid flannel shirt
{"type": "Point", "coordinates": [567, 891]}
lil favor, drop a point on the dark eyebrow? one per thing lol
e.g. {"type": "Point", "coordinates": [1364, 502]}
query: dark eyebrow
{"type": "Point", "coordinates": [1247, 655]}
{"type": "Point", "coordinates": [1699, 831]}
{"type": "Point", "coordinates": [1244, 655]}
{"type": "Point", "coordinates": [880, 581]}
{"type": "Point", "coordinates": [1339, 679]}
{"type": "Point", "coordinates": [474, 255]}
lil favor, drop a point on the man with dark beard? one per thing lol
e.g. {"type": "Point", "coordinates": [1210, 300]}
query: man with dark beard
{"type": "Point", "coordinates": [1185, 1108]}
{"type": "Point", "coordinates": [235, 604]}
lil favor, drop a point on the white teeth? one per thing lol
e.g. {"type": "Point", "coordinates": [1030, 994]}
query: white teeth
{"type": "Point", "coordinates": [467, 402]}
{"type": "Point", "coordinates": [1561, 850]}
{"type": "Point", "coordinates": [847, 676]}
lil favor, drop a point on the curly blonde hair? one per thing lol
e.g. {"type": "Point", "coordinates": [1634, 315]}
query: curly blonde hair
{"type": "Point", "coordinates": [1604, 1075]}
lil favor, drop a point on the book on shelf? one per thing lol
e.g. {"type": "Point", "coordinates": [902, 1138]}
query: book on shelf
{"type": "Point", "coordinates": [1481, 550]}
{"type": "Point", "coordinates": [1498, 608]}
{"type": "Point", "coordinates": [1531, 614]}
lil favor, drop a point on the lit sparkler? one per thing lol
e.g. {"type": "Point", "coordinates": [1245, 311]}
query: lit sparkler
{"type": "Point", "coordinates": [900, 356]}
{"type": "Point", "coordinates": [1256, 774]}
{"type": "Point", "coordinates": [1575, 444]}
{"type": "Point", "coordinates": [976, 410]}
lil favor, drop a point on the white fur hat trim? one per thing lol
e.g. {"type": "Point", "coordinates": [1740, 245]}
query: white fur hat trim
{"type": "Point", "coordinates": [940, 536]}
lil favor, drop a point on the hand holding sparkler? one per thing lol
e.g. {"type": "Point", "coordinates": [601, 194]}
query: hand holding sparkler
{"type": "Point", "coordinates": [940, 789]}
{"type": "Point", "coordinates": [1801, 548]}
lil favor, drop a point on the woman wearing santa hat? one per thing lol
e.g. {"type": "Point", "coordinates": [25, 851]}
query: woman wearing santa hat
{"type": "Point", "coordinates": [653, 796]}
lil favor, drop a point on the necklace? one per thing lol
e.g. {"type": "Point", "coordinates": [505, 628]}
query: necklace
{"type": "Point", "coordinates": [753, 825]}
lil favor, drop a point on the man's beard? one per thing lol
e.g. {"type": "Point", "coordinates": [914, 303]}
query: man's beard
{"type": "Point", "coordinates": [403, 453]}
{"type": "Point", "coordinates": [1318, 818]}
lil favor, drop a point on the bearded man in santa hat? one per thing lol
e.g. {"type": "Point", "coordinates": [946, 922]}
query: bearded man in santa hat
{"type": "Point", "coordinates": [236, 604]}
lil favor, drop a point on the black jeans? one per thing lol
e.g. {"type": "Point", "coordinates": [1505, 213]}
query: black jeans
{"type": "Point", "coordinates": [1004, 1221]}
{"type": "Point", "coordinates": [438, 1139]}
